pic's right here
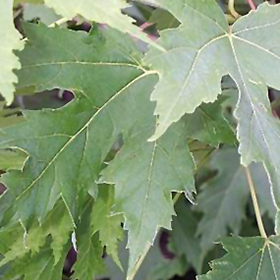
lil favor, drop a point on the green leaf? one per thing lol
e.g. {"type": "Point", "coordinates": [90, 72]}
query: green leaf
{"type": "Point", "coordinates": [155, 266]}
{"type": "Point", "coordinates": [184, 237]}
{"type": "Point", "coordinates": [247, 258]}
{"type": "Point", "coordinates": [86, 128]}
{"type": "Point", "coordinates": [108, 225]}
{"type": "Point", "coordinates": [100, 11]}
{"type": "Point", "coordinates": [57, 224]}
{"type": "Point", "coordinates": [203, 50]}
{"type": "Point", "coordinates": [37, 267]}
{"type": "Point", "coordinates": [89, 262]}
{"type": "Point", "coordinates": [8, 116]}
{"type": "Point", "coordinates": [188, 49]}
{"type": "Point", "coordinates": [153, 170]}
{"type": "Point", "coordinates": [16, 2]}
{"type": "Point", "coordinates": [223, 199]}
{"type": "Point", "coordinates": [208, 124]}
{"type": "Point", "coordinates": [11, 159]}
{"type": "Point", "coordinates": [69, 156]}
{"type": "Point", "coordinates": [44, 13]}
{"type": "Point", "coordinates": [167, 269]}
{"type": "Point", "coordinates": [10, 42]}
{"type": "Point", "coordinates": [163, 19]}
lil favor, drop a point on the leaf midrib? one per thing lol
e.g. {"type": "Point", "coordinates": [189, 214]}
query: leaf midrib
{"type": "Point", "coordinates": [61, 63]}
{"type": "Point", "coordinates": [143, 75]}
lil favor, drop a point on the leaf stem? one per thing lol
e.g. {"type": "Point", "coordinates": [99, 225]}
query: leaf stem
{"type": "Point", "coordinates": [255, 203]}
{"type": "Point", "coordinates": [230, 19]}
{"type": "Point", "coordinates": [251, 4]}
{"type": "Point", "coordinates": [176, 197]}
{"type": "Point", "coordinates": [232, 9]}
{"type": "Point", "coordinates": [59, 22]}
{"type": "Point", "coordinates": [204, 160]}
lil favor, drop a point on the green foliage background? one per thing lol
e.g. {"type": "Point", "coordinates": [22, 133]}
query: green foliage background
{"type": "Point", "coordinates": [122, 152]}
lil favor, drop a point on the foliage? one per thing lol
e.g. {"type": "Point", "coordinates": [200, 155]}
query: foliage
{"type": "Point", "coordinates": [113, 160]}
{"type": "Point", "coordinates": [11, 42]}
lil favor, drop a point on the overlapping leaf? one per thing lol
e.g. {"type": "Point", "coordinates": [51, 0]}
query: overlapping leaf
{"type": "Point", "coordinates": [109, 12]}
{"type": "Point", "coordinates": [184, 237]}
{"type": "Point", "coordinates": [38, 266]}
{"type": "Point", "coordinates": [58, 225]}
{"type": "Point", "coordinates": [10, 41]}
{"type": "Point", "coordinates": [89, 262]}
{"type": "Point", "coordinates": [155, 266]}
{"type": "Point", "coordinates": [108, 226]}
{"type": "Point", "coordinates": [85, 129]}
{"type": "Point", "coordinates": [68, 156]}
{"type": "Point", "coordinates": [67, 146]}
{"type": "Point", "coordinates": [223, 198]}
{"type": "Point", "coordinates": [202, 50]}
{"type": "Point", "coordinates": [8, 116]}
{"type": "Point", "coordinates": [153, 170]}
{"type": "Point", "coordinates": [247, 258]}
{"type": "Point", "coordinates": [208, 125]}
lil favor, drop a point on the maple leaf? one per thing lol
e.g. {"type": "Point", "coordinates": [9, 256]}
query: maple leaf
{"type": "Point", "coordinates": [183, 235]}
{"type": "Point", "coordinates": [10, 42]}
{"type": "Point", "coordinates": [109, 12]}
{"type": "Point", "coordinates": [247, 258]}
{"type": "Point", "coordinates": [85, 129]}
{"type": "Point", "coordinates": [68, 157]}
{"type": "Point", "coordinates": [108, 225]}
{"type": "Point", "coordinates": [208, 125]}
{"type": "Point", "coordinates": [223, 198]}
{"type": "Point", "coordinates": [204, 49]}
{"type": "Point", "coordinates": [154, 170]}
{"type": "Point", "coordinates": [57, 224]}
{"type": "Point", "coordinates": [89, 261]}
{"type": "Point", "coordinates": [38, 266]}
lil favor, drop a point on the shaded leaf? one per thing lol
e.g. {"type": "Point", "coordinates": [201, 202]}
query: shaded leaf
{"type": "Point", "coordinates": [11, 159]}
{"type": "Point", "coordinates": [108, 225]}
{"type": "Point", "coordinates": [223, 198]}
{"type": "Point", "coordinates": [154, 267]}
{"type": "Point", "coordinates": [89, 261]}
{"type": "Point", "coordinates": [37, 267]}
{"type": "Point", "coordinates": [163, 19]}
{"type": "Point", "coordinates": [57, 224]}
{"type": "Point", "coordinates": [9, 116]}
{"type": "Point", "coordinates": [184, 237]}
{"type": "Point", "coordinates": [208, 124]}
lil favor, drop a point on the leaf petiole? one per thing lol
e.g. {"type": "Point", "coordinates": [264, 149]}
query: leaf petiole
{"type": "Point", "coordinates": [232, 9]}
{"type": "Point", "coordinates": [255, 203]}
